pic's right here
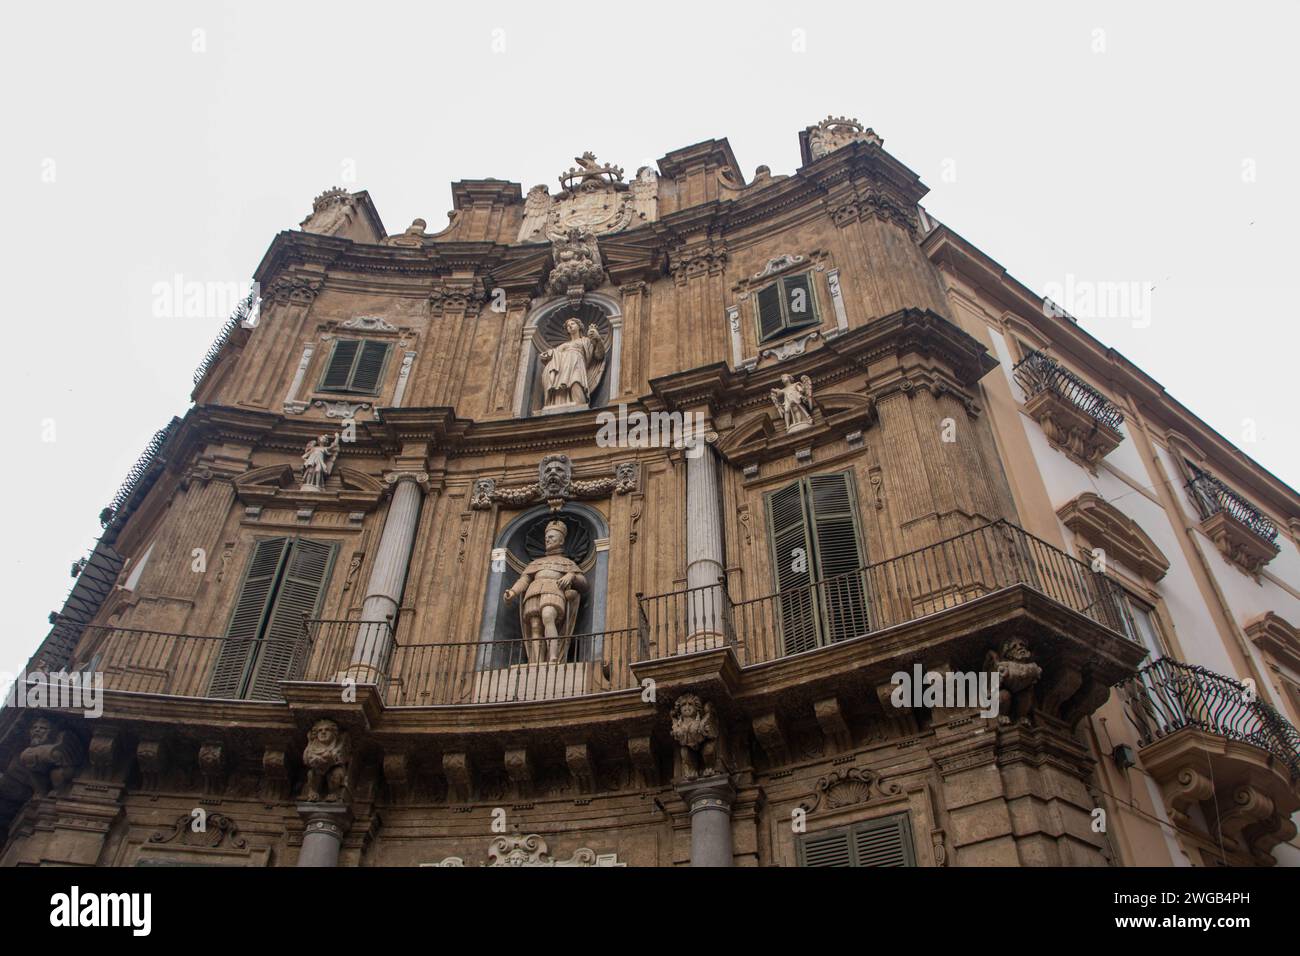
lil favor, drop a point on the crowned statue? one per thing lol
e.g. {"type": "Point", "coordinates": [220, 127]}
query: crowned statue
{"type": "Point", "coordinates": [552, 587]}
{"type": "Point", "coordinates": [571, 370]}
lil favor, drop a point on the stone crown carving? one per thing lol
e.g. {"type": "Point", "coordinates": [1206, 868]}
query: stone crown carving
{"type": "Point", "coordinates": [836, 132]}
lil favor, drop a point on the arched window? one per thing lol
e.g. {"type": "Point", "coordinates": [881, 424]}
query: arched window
{"type": "Point", "coordinates": [546, 331]}
{"type": "Point", "coordinates": [501, 630]}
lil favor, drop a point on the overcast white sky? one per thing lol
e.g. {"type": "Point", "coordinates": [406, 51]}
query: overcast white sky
{"type": "Point", "coordinates": [1151, 143]}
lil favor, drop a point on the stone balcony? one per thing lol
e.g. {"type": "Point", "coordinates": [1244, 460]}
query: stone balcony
{"type": "Point", "coordinates": [1242, 533]}
{"type": "Point", "coordinates": [1075, 417]}
{"type": "Point", "coordinates": [1227, 763]}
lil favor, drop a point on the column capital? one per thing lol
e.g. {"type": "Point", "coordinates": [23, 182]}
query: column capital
{"type": "Point", "coordinates": [421, 478]}
{"type": "Point", "coordinates": [714, 792]}
{"type": "Point", "coordinates": [333, 819]}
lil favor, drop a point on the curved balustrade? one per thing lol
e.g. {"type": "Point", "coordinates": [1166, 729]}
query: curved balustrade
{"type": "Point", "coordinates": [1167, 695]}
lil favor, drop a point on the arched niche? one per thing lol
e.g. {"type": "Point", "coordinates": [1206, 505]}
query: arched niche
{"type": "Point", "coordinates": [518, 543]}
{"type": "Point", "coordinates": [545, 328]}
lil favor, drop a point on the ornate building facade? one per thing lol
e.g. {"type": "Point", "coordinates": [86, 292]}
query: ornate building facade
{"type": "Point", "coordinates": [594, 529]}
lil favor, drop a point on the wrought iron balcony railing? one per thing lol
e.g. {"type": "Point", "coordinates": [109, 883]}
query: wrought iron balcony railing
{"type": "Point", "coordinates": [1038, 373]}
{"type": "Point", "coordinates": [914, 585]}
{"type": "Point", "coordinates": [1167, 695]}
{"type": "Point", "coordinates": [190, 665]}
{"type": "Point", "coordinates": [1214, 497]}
{"type": "Point", "coordinates": [474, 672]}
{"type": "Point", "coordinates": [911, 586]}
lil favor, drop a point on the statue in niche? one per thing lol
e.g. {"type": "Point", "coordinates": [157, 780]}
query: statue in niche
{"type": "Point", "coordinates": [794, 400]}
{"type": "Point", "coordinates": [552, 587]}
{"type": "Point", "coordinates": [572, 369]}
{"type": "Point", "coordinates": [318, 461]}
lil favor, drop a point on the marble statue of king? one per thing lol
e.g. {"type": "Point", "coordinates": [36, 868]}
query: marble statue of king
{"type": "Point", "coordinates": [552, 587]}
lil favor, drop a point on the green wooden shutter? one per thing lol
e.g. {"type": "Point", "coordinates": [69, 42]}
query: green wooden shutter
{"type": "Point", "coordinates": [787, 529]}
{"type": "Point", "coordinates": [798, 298]}
{"type": "Point", "coordinates": [839, 557]}
{"type": "Point", "coordinates": [339, 371]}
{"type": "Point", "coordinates": [883, 842]}
{"type": "Point", "coordinates": [283, 648]}
{"type": "Point", "coordinates": [770, 321]}
{"type": "Point", "coordinates": [245, 627]}
{"type": "Point", "coordinates": [826, 849]}
{"type": "Point", "coordinates": [370, 366]}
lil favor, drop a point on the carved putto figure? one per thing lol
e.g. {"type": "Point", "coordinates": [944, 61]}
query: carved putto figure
{"type": "Point", "coordinates": [696, 730]}
{"type": "Point", "coordinates": [51, 757]}
{"type": "Point", "coordinates": [318, 461]}
{"type": "Point", "coordinates": [571, 370]}
{"type": "Point", "coordinates": [1017, 675]}
{"type": "Point", "coordinates": [552, 587]}
{"type": "Point", "coordinates": [794, 400]}
{"type": "Point", "coordinates": [328, 753]}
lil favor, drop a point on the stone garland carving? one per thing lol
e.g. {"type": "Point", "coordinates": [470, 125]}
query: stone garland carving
{"type": "Point", "coordinates": [328, 757]}
{"type": "Point", "coordinates": [51, 757]}
{"type": "Point", "coordinates": [1017, 675]}
{"type": "Point", "coordinates": [794, 401]}
{"type": "Point", "coordinates": [847, 788]}
{"type": "Point", "coordinates": [778, 264]}
{"type": "Point", "coordinates": [318, 461]}
{"type": "Point", "coordinates": [698, 732]}
{"type": "Point", "coordinates": [531, 850]}
{"type": "Point", "coordinates": [555, 485]}
{"type": "Point", "coordinates": [368, 323]}
{"type": "Point", "coordinates": [217, 828]}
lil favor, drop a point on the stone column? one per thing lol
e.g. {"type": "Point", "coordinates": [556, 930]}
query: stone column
{"type": "Point", "coordinates": [710, 799]}
{"type": "Point", "coordinates": [704, 567]}
{"type": "Point", "coordinates": [322, 839]}
{"type": "Point", "coordinates": [387, 577]}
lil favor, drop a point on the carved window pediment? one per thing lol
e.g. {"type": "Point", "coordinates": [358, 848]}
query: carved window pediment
{"type": "Point", "coordinates": [279, 485]}
{"type": "Point", "coordinates": [1104, 526]}
{"type": "Point", "coordinates": [763, 436]}
{"type": "Point", "coordinates": [1276, 637]}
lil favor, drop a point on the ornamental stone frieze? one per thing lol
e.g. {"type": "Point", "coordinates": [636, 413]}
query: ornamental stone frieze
{"type": "Point", "coordinates": [292, 290]}
{"type": "Point", "coordinates": [531, 850]}
{"type": "Point", "coordinates": [555, 485]}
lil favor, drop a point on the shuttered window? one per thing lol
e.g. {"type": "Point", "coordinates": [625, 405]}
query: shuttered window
{"type": "Point", "coordinates": [816, 561]}
{"type": "Point", "coordinates": [283, 584]}
{"type": "Point", "coordinates": [883, 842]}
{"type": "Point", "coordinates": [355, 365]}
{"type": "Point", "coordinates": [786, 304]}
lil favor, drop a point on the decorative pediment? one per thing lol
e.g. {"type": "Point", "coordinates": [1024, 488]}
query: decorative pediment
{"type": "Point", "coordinates": [1276, 637]}
{"type": "Point", "coordinates": [764, 437]}
{"type": "Point", "coordinates": [279, 485]}
{"type": "Point", "coordinates": [849, 788]}
{"type": "Point", "coordinates": [1104, 526]}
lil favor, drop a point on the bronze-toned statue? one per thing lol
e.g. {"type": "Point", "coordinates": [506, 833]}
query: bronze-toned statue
{"type": "Point", "coordinates": [552, 587]}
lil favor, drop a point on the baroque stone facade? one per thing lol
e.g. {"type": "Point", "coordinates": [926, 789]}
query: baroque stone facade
{"type": "Point", "coordinates": [613, 516]}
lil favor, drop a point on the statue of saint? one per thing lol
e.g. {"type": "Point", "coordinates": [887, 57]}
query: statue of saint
{"type": "Point", "coordinates": [794, 400]}
{"type": "Point", "coordinates": [552, 588]}
{"type": "Point", "coordinates": [318, 461]}
{"type": "Point", "coordinates": [571, 370]}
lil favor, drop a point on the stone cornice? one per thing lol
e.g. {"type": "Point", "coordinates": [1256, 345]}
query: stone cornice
{"type": "Point", "coordinates": [1104, 526]}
